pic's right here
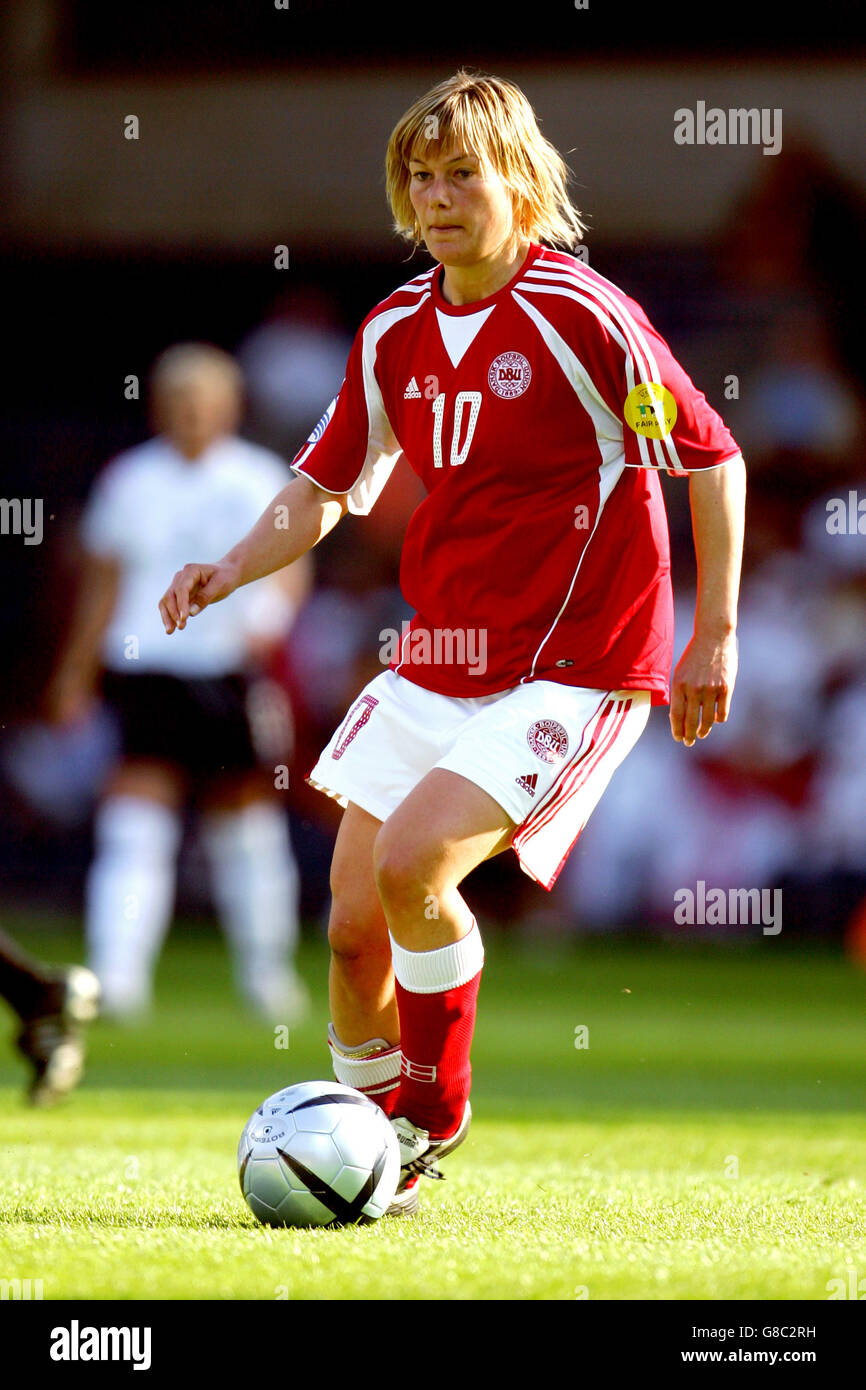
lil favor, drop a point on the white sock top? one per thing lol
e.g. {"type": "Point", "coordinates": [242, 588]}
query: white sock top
{"type": "Point", "coordinates": [434, 972]}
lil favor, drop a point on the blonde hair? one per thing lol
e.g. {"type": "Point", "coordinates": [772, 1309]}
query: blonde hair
{"type": "Point", "coordinates": [178, 364]}
{"type": "Point", "coordinates": [490, 117]}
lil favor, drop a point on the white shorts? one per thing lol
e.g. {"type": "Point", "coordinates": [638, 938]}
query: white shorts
{"type": "Point", "coordinates": [544, 751]}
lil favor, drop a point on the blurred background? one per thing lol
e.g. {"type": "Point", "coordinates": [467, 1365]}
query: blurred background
{"type": "Point", "coordinates": [261, 127]}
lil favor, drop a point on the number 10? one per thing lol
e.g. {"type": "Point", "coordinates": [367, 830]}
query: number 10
{"type": "Point", "coordinates": [473, 400]}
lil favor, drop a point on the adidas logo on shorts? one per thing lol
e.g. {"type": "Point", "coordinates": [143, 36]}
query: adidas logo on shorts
{"type": "Point", "coordinates": [412, 392]}
{"type": "Point", "coordinates": [528, 783]}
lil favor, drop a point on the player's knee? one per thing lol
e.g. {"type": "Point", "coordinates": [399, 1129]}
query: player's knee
{"type": "Point", "coordinates": [353, 936]}
{"type": "Point", "coordinates": [357, 925]}
{"type": "Point", "coordinates": [401, 871]}
{"type": "Point", "coordinates": [353, 889]}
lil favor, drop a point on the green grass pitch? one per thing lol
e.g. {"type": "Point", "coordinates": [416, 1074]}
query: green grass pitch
{"type": "Point", "coordinates": [708, 1141]}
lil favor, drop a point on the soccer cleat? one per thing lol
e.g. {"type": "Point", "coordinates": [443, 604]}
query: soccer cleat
{"type": "Point", "coordinates": [419, 1154]}
{"type": "Point", "coordinates": [81, 1004]}
{"type": "Point", "coordinates": [52, 1042]}
{"type": "Point", "coordinates": [406, 1199]}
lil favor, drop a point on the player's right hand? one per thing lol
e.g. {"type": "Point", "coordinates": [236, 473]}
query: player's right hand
{"type": "Point", "coordinates": [192, 589]}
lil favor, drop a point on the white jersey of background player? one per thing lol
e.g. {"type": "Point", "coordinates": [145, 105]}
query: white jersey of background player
{"type": "Point", "coordinates": [191, 484]}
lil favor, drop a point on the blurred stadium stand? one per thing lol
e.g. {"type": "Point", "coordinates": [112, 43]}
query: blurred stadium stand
{"type": "Point", "coordinates": [261, 127]}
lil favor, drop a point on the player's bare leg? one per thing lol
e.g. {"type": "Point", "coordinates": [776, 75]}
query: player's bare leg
{"type": "Point", "coordinates": [231, 791]}
{"type": "Point", "coordinates": [444, 828]}
{"type": "Point", "coordinates": [361, 977]}
{"type": "Point", "coordinates": [147, 780]}
{"type": "Point", "coordinates": [365, 1026]}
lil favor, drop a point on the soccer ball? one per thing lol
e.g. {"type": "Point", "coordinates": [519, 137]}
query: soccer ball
{"type": "Point", "coordinates": [318, 1154]}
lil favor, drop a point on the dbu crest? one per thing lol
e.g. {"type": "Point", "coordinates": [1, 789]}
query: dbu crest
{"type": "Point", "coordinates": [509, 375]}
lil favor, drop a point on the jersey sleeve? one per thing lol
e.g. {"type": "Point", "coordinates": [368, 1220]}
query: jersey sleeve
{"type": "Point", "coordinates": [353, 449]}
{"type": "Point", "coordinates": [667, 423]}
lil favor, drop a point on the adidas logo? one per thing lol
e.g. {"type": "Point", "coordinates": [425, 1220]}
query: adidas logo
{"type": "Point", "coordinates": [528, 783]}
{"type": "Point", "coordinates": [412, 393]}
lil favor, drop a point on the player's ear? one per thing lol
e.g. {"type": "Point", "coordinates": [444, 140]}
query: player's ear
{"type": "Point", "coordinates": [235, 408]}
{"type": "Point", "coordinates": [518, 213]}
{"type": "Point", "coordinates": [156, 409]}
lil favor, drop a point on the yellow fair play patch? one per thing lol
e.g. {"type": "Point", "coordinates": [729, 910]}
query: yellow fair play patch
{"type": "Point", "coordinates": [650, 410]}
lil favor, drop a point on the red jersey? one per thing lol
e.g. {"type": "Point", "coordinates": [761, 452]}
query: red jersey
{"type": "Point", "coordinates": [534, 420]}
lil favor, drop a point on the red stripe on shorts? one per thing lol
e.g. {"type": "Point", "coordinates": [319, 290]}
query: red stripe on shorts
{"type": "Point", "coordinates": [604, 736]}
{"type": "Point", "coordinates": [599, 717]}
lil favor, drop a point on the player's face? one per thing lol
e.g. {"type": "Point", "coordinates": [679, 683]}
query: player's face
{"type": "Point", "coordinates": [464, 209]}
{"type": "Point", "coordinates": [195, 412]}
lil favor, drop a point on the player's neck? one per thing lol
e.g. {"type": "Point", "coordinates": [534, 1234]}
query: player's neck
{"type": "Point", "coordinates": [191, 451]}
{"type": "Point", "coordinates": [464, 284]}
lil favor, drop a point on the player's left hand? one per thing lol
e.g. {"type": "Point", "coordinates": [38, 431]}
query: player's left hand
{"type": "Point", "coordinates": [702, 687]}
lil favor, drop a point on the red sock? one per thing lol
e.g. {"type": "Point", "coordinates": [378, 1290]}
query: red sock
{"type": "Point", "coordinates": [387, 1100]}
{"type": "Point", "coordinates": [436, 998]}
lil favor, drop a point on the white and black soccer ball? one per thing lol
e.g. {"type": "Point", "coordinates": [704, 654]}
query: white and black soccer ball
{"type": "Point", "coordinates": [318, 1154]}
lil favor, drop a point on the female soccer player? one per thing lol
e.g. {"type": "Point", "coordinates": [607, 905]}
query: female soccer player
{"type": "Point", "coordinates": [537, 404]}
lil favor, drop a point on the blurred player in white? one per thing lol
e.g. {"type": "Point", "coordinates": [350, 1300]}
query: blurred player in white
{"type": "Point", "coordinates": [193, 721]}
{"type": "Point", "coordinates": [537, 404]}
